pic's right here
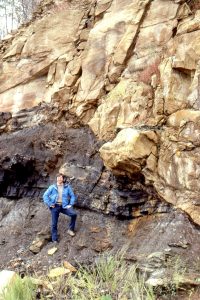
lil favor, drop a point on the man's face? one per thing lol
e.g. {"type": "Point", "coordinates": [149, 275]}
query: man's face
{"type": "Point", "coordinates": [60, 179]}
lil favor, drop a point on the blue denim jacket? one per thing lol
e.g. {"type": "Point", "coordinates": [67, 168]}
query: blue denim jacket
{"type": "Point", "coordinates": [50, 197]}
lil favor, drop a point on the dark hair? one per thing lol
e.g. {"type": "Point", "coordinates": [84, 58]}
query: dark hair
{"type": "Point", "coordinates": [63, 176]}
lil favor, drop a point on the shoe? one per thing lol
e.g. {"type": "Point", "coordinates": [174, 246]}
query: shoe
{"type": "Point", "coordinates": [70, 232]}
{"type": "Point", "coordinates": [55, 243]}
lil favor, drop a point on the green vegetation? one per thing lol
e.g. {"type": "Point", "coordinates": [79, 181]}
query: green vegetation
{"type": "Point", "coordinates": [176, 270]}
{"type": "Point", "coordinates": [109, 278]}
{"type": "Point", "coordinates": [20, 289]}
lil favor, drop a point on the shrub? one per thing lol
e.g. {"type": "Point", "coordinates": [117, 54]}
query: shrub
{"type": "Point", "coordinates": [20, 289]}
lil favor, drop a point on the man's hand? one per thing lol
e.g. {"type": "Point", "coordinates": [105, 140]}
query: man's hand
{"type": "Point", "coordinates": [52, 206]}
{"type": "Point", "coordinates": [68, 206]}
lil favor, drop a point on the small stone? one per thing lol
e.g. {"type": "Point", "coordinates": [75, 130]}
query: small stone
{"type": "Point", "coordinates": [52, 250]}
{"type": "Point", "coordinates": [68, 266]}
{"type": "Point", "coordinates": [58, 272]}
{"type": "Point", "coordinates": [37, 245]}
{"type": "Point", "coordinates": [155, 281]}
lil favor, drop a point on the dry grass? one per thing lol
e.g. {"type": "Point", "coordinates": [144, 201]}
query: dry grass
{"type": "Point", "coordinates": [109, 278]}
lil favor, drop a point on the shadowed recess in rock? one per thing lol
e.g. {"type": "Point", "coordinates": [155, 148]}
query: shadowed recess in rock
{"type": "Point", "coordinates": [19, 179]}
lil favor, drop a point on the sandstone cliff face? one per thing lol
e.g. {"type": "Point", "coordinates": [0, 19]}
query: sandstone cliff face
{"type": "Point", "coordinates": [115, 65]}
{"type": "Point", "coordinates": [111, 76]}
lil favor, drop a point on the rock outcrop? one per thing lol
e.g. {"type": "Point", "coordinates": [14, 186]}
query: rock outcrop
{"type": "Point", "coordinates": [107, 92]}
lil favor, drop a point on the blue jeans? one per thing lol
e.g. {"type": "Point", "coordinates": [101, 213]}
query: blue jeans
{"type": "Point", "coordinates": [54, 219]}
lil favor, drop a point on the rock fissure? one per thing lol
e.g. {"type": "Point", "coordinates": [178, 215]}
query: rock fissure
{"type": "Point", "coordinates": [132, 46]}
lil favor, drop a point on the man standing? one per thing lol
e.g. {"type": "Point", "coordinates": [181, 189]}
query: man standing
{"type": "Point", "coordinates": [60, 198]}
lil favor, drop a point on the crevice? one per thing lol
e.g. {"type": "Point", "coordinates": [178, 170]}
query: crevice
{"type": "Point", "coordinates": [97, 181]}
{"type": "Point", "coordinates": [132, 46]}
{"type": "Point", "coordinates": [174, 32]}
{"type": "Point", "coordinates": [101, 15]}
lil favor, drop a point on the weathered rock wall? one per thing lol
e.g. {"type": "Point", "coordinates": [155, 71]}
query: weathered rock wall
{"type": "Point", "coordinates": [115, 77]}
{"type": "Point", "coordinates": [127, 69]}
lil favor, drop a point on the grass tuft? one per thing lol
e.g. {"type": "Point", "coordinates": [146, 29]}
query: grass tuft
{"type": "Point", "coordinates": [109, 278]}
{"type": "Point", "coordinates": [19, 289]}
